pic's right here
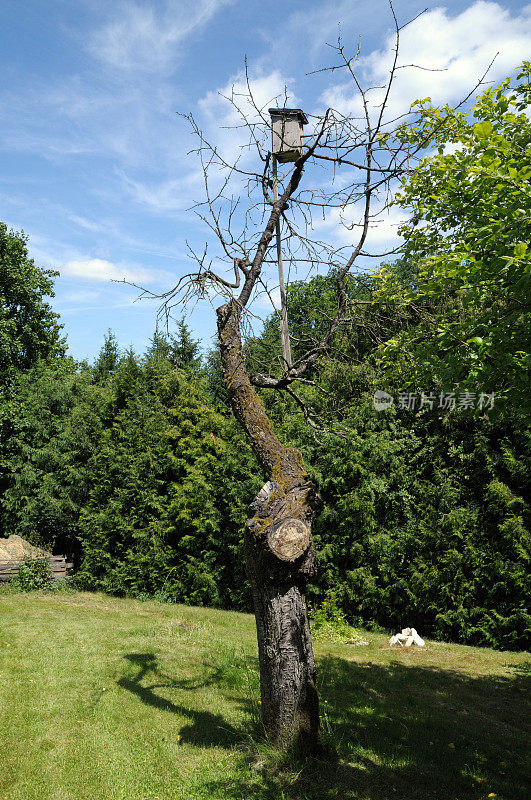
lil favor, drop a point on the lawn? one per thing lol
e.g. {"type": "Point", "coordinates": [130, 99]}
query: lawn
{"type": "Point", "coordinates": [113, 699]}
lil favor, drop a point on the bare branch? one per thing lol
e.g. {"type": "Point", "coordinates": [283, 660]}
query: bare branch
{"type": "Point", "coordinates": [343, 182]}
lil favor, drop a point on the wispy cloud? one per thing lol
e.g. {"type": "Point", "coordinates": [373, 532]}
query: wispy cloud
{"type": "Point", "coordinates": [166, 196]}
{"type": "Point", "coordinates": [307, 34]}
{"type": "Point", "coordinates": [239, 100]}
{"type": "Point", "coordinates": [98, 269]}
{"type": "Point", "coordinates": [145, 38]}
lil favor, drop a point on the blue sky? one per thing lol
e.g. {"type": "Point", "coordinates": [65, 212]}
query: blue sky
{"type": "Point", "coordinates": [94, 162]}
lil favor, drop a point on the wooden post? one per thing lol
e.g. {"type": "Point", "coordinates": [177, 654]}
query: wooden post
{"type": "Point", "coordinates": [284, 332]}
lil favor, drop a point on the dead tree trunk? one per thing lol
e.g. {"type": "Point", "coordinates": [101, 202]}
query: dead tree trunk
{"type": "Point", "coordinates": [280, 557]}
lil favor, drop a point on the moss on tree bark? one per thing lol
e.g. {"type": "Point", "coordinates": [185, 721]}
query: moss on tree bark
{"type": "Point", "coordinates": [277, 569]}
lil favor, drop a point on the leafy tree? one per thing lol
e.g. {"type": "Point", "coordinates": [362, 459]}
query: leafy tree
{"type": "Point", "coordinates": [30, 338]}
{"type": "Point", "coordinates": [185, 351]}
{"type": "Point", "coordinates": [215, 384]}
{"type": "Point", "coordinates": [466, 307]}
{"type": "Point", "coordinates": [410, 529]}
{"type": "Point", "coordinates": [28, 327]}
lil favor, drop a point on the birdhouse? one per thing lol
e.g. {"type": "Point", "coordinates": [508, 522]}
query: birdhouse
{"type": "Point", "coordinates": [286, 126]}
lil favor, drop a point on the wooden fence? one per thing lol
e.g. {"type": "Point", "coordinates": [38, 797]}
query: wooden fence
{"type": "Point", "coordinates": [59, 567]}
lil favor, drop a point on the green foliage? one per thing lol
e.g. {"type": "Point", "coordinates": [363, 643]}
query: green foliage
{"type": "Point", "coordinates": [411, 534]}
{"type": "Point", "coordinates": [180, 349]}
{"type": "Point", "coordinates": [465, 312]}
{"type": "Point", "coordinates": [215, 383]}
{"type": "Point", "coordinates": [28, 326]}
{"type": "Point", "coordinates": [328, 622]}
{"type": "Point", "coordinates": [108, 358]}
{"type": "Point", "coordinates": [29, 332]}
{"type": "Point", "coordinates": [34, 574]}
{"type": "Point", "coordinates": [166, 509]}
{"type": "Point", "coordinates": [425, 519]}
{"type": "Point", "coordinates": [136, 467]}
{"type": "Point", "coordinates": [129, 469]}
{"type": "Point", "coordinates": [51, 428]}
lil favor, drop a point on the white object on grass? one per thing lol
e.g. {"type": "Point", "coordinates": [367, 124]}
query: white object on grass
{"type": "Point", "coordinates": [406, 638]}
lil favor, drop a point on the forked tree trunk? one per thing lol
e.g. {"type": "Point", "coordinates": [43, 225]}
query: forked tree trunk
{"type": "Point", "coordinates": [280, 557]}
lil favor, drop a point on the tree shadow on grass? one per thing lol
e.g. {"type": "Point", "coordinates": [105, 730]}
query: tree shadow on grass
{"type": "Point", "coordinates": [404, 731]}
{"type": "Point", "coordinates": [400, 731]}
{"type": "Point", "coordinates": [206, 729]}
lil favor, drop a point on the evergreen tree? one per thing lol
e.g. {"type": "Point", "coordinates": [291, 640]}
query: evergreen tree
{"type": "Point", "coordinates": [185, 351]}
{"type": "Point", "coordinates": [108, 358]}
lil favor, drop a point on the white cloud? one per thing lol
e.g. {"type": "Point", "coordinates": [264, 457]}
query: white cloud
{"type": "Point", "coordinates": [144, 38]}
{"type": "Point", "coordinates": [160, 196]}
{"type": "Point", "coordinates": [98, 269]}
{"type": "Point", "coordinates": [253, 101]}
{"type": "Point", "coordinates": [264, 89]}
{"type": "Point", "coordinates": [461, 46]}
{"type": "Point", "coordinates": [268, 300]}
{"type": "Point", "coordinates": [383, 231]}
{"type": "Point", "coordinates": [344, 229]}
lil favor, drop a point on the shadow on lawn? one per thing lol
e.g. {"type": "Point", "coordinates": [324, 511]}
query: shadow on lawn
{"type": "Point", "coordinates": [206, 729]}
{"type": "Point", "coordinates": [401, 731]}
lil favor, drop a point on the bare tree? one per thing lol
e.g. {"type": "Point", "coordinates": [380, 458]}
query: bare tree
{"type": "Point", "coordinates": [346, 172]}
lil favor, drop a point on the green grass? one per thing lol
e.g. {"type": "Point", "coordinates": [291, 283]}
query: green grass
{"type": "Point", "coordinates": [96, 691]}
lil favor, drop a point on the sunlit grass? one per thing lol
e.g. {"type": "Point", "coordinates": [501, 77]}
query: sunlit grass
{"type": "Point", "coordinates": [113, 699]}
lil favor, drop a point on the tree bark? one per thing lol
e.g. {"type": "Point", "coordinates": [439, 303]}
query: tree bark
{"type": "Point", "coordinates": [280, 557]}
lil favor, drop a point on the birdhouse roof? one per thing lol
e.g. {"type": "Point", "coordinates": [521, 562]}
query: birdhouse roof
{"type": "Point", "coordinates": [290, 112]}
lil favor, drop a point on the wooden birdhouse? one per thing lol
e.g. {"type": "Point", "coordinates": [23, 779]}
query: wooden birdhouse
{"type": "Point", "coordinates": [286, 127]}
